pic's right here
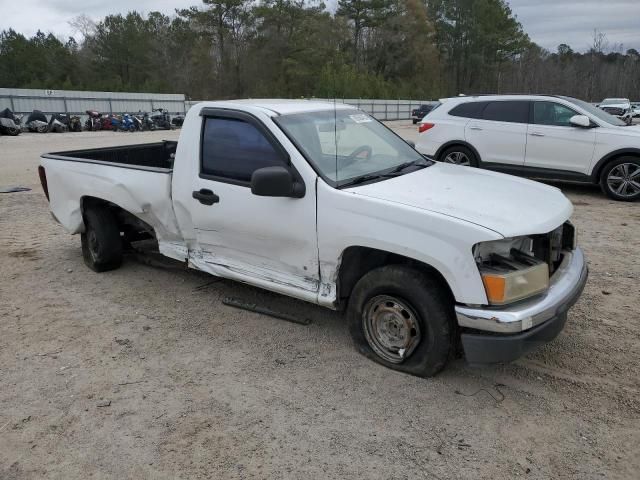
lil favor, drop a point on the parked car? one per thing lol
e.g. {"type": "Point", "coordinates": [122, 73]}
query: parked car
{"type": "Point", "coordinates": [323, 203]}
{"type": "Point", "coordinates": [618, 107]}
{"type": "Point", "coordinates": [636, 110]}
{"type": "Point", "coordinates": [418, 114]}
{"type": "Point", "coordinates": [547, 137]}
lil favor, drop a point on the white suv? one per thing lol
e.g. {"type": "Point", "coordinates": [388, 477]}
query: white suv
{"type": "Point", "coordinates": [536, 136]}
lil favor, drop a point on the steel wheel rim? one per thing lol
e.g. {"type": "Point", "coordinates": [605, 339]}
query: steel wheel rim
{"type": "Point", "coordinates": [458, 158]}
{"type": "Point", "coordinates": [624, 180]}
{"type": "Point", "coordinates": [391, 328]}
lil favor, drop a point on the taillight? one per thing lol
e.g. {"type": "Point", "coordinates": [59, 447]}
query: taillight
{"type": "Point", "coordinates": [43, 181]}
{"type": "Point", "coordinates": [425, 126]}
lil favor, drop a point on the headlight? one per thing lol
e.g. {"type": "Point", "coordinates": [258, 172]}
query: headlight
{"type": "Point", "coordinates": [509, 270]}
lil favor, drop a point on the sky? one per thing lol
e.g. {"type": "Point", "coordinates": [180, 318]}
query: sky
{"type": "Point", "coordinates": [548, 22]}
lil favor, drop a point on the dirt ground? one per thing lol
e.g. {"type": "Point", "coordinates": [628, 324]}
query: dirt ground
{"type": "Point", "coordinates": [143, 373]}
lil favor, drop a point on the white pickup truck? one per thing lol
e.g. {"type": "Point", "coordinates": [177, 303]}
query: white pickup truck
{"type": "Point", "coordinates": [323, 203]}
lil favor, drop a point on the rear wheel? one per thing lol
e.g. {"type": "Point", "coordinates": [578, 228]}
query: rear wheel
{"type": "Point", "coordinates": [459, 155]}
{"type": "Point", "coordinates": [620, 179]}
{"type": "Point", "coordinates": [402, 319]}
{"type": "Point", "coordinates": [101, 242]}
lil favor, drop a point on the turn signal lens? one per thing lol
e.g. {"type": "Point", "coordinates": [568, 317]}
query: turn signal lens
{"type": "Point", "coordinates": [425, 126]}
{"type": "Point", "coordinates": [494, 286]}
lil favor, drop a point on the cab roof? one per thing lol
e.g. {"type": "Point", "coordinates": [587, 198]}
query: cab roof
{"type": "Point", "coordinates": [280, 106]}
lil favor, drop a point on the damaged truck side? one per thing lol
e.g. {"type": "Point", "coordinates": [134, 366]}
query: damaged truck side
{"type": "Point", "coordinates": [323, 203]}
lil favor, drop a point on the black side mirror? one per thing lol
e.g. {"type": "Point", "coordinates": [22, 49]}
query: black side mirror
{"type": "Point", "coordinates": [276, 182]}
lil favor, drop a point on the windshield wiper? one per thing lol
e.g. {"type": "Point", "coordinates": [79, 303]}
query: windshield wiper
{"type": "Point", "coordinates": [413, 163]}
{"type": "Point", "coordinates": [366, 178]}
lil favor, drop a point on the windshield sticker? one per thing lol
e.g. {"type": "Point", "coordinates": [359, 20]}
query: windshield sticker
{"type": "Point", "coordinates": [360, 118]}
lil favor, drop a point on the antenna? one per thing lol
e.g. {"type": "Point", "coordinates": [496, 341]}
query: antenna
{"type": "Point", "coordinates": [335, 132]}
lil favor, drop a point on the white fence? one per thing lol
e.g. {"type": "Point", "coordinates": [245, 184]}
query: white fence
{"type": "Point", "coordinates": [78, 102]}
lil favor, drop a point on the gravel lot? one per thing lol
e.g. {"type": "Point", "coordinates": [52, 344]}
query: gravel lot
{"type": "Point", "coordinates": [143, 373]}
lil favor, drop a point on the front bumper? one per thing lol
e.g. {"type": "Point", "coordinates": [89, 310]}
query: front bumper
{"type": "Point", "coordinates": [492, 335]}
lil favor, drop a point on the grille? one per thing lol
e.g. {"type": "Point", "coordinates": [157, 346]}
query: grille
{"type": "Point", "coordinates": [549, 247]}
{"type": "Point", "coordinates": [614, 110]}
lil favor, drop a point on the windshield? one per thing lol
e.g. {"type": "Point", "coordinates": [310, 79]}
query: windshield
{"type": "Point", "coordinates": [597, 112]}
{"type": "Point", "coordinates": [345, 145]}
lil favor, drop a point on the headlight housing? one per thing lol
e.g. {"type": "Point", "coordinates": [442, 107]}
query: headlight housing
{"type": "Point", "coordinates": [509, 270]}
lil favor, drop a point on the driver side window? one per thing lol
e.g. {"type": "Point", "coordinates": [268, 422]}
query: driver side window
{"type": "Point", "coordinates": [551, 113]}
{"type": "Point", "coordinates": [233, 149]}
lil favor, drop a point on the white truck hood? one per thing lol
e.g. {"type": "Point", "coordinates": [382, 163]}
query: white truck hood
{"type": "Point", "coordinates": [508, 205]}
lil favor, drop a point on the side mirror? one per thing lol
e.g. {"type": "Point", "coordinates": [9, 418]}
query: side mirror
{"type": "Point", "coordinates": [276, 182]}
{"type": "Point", "coordinates": [581, 121]}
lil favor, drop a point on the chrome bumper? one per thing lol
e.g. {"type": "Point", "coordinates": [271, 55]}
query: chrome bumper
{"type": "Point", "coordinates": [565, 287]}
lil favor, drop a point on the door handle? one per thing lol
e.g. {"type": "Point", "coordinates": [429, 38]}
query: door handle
{"type": "Point", "coordinates": [536, 134]}
{"type": "Point", "coordinates": [206, 197]}
{"type": "Point", "coordinates": [475, 128]}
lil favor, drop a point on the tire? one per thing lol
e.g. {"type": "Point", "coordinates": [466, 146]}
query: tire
{"type": "Point", "coordinates": [13, 131]}
{"type": "Point", "coordinates": [620, 179]}
{"type": "Point", "coordinates": [414, 121]}
{"type": "Point", "coordinates": [425, 306]}
{"type": "Point", "coordinates": [101, 242]}
{"type": "Point", "coordinates": [459, 155]}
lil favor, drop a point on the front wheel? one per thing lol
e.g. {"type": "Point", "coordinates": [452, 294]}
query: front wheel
{"type": "Point", "coordinates": [459, 155]}
{"type": "Point", "coordinates": [620, 179]}
{"type": "Point", "coordinates": [402, 319]}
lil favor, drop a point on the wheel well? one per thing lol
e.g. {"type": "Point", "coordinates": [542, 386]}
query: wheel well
{"type": "Point", "coordinates": [457, 143]}
{"type": "Point", "coordinates": [131, 226]}
{"type": "Point", "coordinates": [357, 261]}
{"type": "Point", "coordinates": [600, 166]}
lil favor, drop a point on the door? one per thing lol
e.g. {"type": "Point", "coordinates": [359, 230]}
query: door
{"type": "Point", "coordinates": [500, 135]}
{"type": "Point", "coordinates": [266, 241]}
{"type": "Point", "coordinates": [553, 143]}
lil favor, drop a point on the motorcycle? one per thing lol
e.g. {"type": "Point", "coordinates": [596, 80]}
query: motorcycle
{"type": "Point", "coordinates": [127, 124]}
{"type": "Point", "coordinates": [9, 123]}
{"type": "Point", "coordinates": [178, 120]}
{"type": "Point", "coordinates": [107, 121]}
{"type": "Point", "coordinates": [137, 123]}
{"type": "Point", "coordinates": [122, 123]}
{"type": "Point", "coordinates": [94, 122]}
{"type": "Point", "coordinates": [59, 123]}
{"type": "Point", "coordinates": [161, 119]}
{"type": "Point", "coordinates": [145, 121]}
{"type": "Point", "coordinates": [37, 122]}
{"type": "Point", "coordinates": [75, 125]}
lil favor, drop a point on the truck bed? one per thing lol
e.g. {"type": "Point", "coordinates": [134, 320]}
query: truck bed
{"type": "Point", "coordinates": [149, 156]}
{"type": "Point", "coordinates": [136, 178]}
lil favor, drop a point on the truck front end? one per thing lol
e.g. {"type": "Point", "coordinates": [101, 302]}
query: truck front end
{"type": "Point", "coordinates": [531, 282]}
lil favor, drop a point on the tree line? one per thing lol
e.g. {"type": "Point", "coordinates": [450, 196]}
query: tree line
{"type": "Point", "coordinates": [299, 48]}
